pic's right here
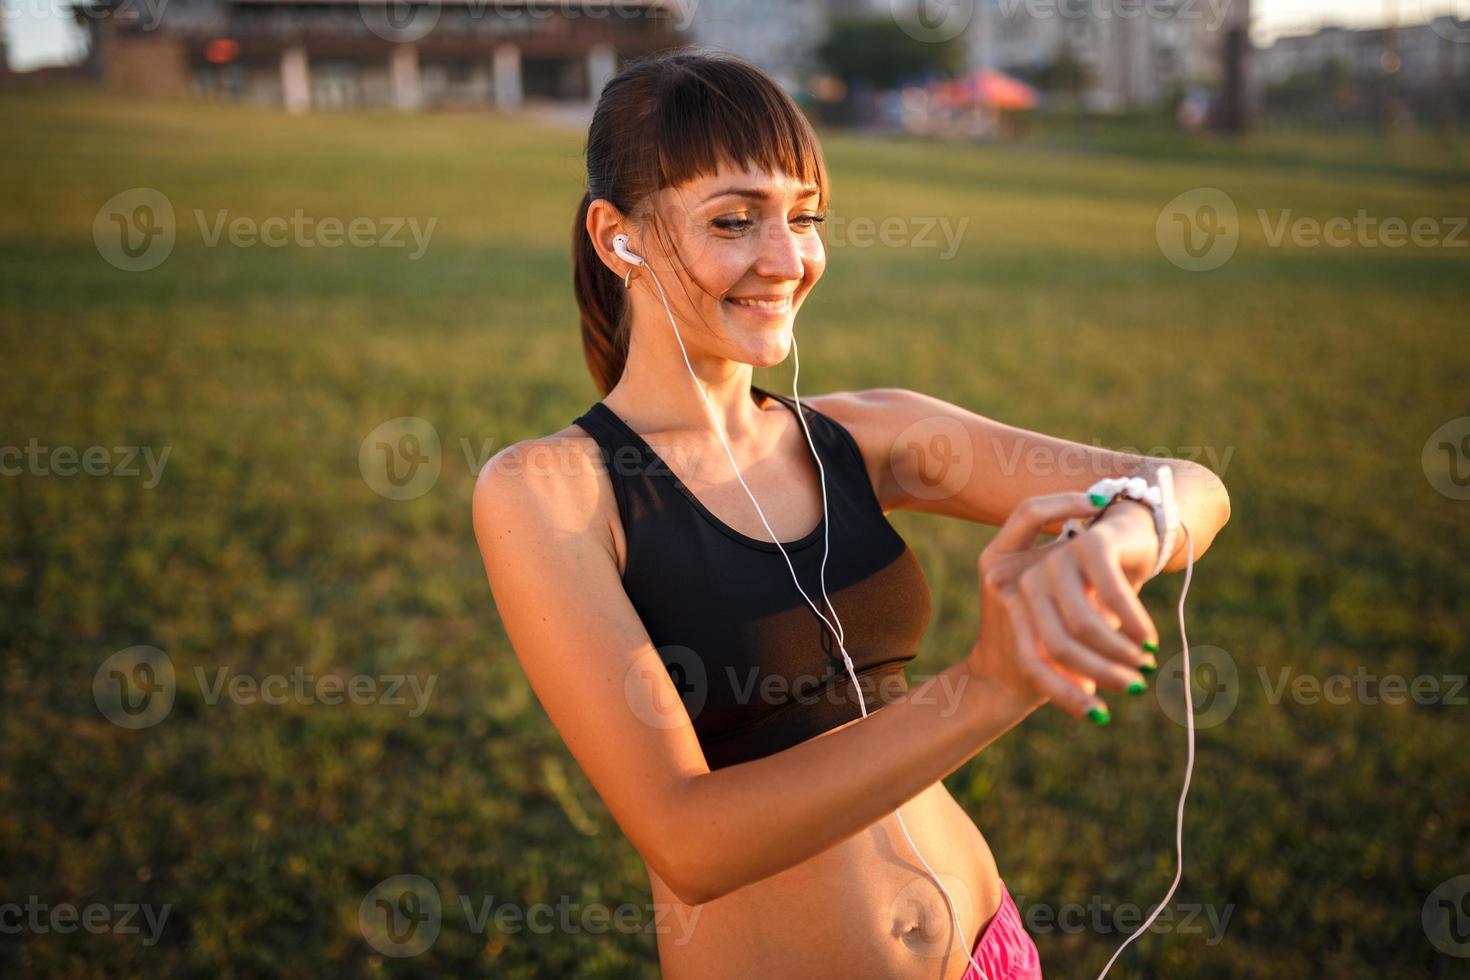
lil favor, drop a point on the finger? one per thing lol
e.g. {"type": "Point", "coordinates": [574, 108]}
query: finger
{"type": "Point", "coordinates": [1067, 650]}
{"type": "Point", "coordinates": [1064, 692]}
{"type": "Point", "coordinates": [1084, 623]}
{"type": "Point", "coordinates": [1116, 592]}
{"type": "Point", "coordinates": [1034, 513]}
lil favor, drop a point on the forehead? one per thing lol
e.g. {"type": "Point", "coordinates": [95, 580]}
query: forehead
{"type": "Point", "coordinates": [750, 182]}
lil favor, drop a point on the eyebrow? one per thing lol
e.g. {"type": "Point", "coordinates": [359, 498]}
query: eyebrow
{"type": "Point", "coordinates": [756, 194]}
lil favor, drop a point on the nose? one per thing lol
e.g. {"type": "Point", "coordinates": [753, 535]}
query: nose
{"type": "Point", "coordinates": [781, 255]}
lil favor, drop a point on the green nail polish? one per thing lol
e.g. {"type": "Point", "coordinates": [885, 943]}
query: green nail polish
{"type": "Point", "coordinates": [1137, 687]}
{"type": "Point", "coordinates": [1150, 647]}
{"type": "Point", "coordinates": [1099, 716]}
{"type": "Point", "coordinates": [1148, 666]}
{"type": "Point", "coordinates": [1097, 499]}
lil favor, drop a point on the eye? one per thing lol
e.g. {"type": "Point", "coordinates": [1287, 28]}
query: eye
{"type": "Point", "coordinates": [732, 224]}
{"type": "Point", "coordinates": [812, 220]}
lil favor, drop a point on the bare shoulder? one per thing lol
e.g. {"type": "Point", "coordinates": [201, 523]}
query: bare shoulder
{"type": "Point", "coordinates": [877, 419]}
{"type": "Point", "coordinates": [551, 486]}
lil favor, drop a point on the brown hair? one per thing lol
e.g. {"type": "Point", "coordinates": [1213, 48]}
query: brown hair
{"type": "Point", "coordinates": [662, 120]}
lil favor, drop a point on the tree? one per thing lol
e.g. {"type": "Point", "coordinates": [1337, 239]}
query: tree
{"type": "Point", "coordinates": [876, 50]}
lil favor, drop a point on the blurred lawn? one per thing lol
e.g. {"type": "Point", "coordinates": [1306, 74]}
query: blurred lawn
{"type": "Point", "coordinates": [1314, 376]}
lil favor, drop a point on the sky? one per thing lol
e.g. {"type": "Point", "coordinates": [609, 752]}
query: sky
{"type": "Point", "coordinates": [40, 32]}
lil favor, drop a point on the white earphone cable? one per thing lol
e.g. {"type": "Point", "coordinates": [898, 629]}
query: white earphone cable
{"type": "Point", "coordinates": [826, 543]}
{"type": "Point", "coordinates": [1188, 763]}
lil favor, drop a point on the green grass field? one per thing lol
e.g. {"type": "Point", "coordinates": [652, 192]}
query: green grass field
{"type": "Point", "coordinates": [1310, 378]}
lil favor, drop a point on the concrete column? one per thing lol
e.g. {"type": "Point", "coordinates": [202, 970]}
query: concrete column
{"type": "Point", "coordinates": [602, 65]}
{"type": "Point", "coordinates": [403, 73]}
{"type": "Point", "coordinates": [295, 79]}
{"type": "Point", "coordinates": [507, 76]}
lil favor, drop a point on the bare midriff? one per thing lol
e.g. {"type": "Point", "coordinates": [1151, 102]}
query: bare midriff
{"type": "Point", "coordinates": [864, 907]}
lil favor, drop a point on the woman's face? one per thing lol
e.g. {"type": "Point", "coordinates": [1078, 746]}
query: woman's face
{"type": "Point", "coordinates": [751, 240]}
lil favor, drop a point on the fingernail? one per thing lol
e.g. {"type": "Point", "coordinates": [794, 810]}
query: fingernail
{"type": "Point", "coordinates": [1097, 499]}
{"type": "Point", "coordinates": [1099, 716]}
{"type": "Point", "coordinates": [1148, 666]}
{"type": "Point", "coordinates": [1150, 646]}
{"type": "Point", "coordinates": [1138, 687]}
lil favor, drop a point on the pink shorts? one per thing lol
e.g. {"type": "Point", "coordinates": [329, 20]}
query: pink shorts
{"type": "Point", "coordinates": [1004, 950]}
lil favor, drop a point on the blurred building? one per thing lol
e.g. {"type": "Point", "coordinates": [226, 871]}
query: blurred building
{"type": "Point", "coordinates": [778, 36]}
{"type": "Point", "coordinates": [1420, 54]}
{"type": "Point", "coordinates": [1111, 56]}
{"type": "Point", "coordinates": [327, 54]}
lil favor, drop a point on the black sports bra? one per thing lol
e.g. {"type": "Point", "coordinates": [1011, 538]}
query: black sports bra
{"type": "Point", "coordinates": [757, 670]}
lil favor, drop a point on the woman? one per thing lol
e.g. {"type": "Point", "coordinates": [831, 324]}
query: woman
{"type": "Point", "coordinates": [654, 605]}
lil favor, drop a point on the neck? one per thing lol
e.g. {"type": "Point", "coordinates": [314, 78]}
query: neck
{"type": "Point", "coordinates": [656, 393]}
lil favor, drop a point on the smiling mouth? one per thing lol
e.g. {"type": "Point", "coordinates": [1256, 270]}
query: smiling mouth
{"type": "Point", "coordinates": [782, 305]}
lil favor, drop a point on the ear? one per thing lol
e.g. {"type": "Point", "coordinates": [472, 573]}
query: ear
{"type": "Point", "coordinates": [604, 221]}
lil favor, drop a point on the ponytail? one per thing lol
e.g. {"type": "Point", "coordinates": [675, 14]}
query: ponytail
{"type": "Point", "coordinates": [600, 298]}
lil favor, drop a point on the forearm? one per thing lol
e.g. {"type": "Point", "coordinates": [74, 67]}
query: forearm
{"type": "Point", "coordinates": [747, 822]}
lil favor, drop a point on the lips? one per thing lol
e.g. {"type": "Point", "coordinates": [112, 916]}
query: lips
{"type": "Point", "coordinates": [767, 304]}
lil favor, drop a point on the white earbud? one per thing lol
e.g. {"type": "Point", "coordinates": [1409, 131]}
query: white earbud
{"type": "Point", "coordinates": [620, 246]}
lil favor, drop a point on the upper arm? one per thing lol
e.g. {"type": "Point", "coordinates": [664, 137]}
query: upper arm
{"type": "Point", "coordinates": [935, 457]}
{"type": "Point", "coordinates": [581, 643]}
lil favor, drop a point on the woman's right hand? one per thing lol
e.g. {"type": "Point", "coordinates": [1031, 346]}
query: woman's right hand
{"type": "Point", "coordinates": [1050, 615]}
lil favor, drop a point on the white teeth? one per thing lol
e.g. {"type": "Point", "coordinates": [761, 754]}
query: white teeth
{"type": "Point", "coordinates": [764, 304]}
